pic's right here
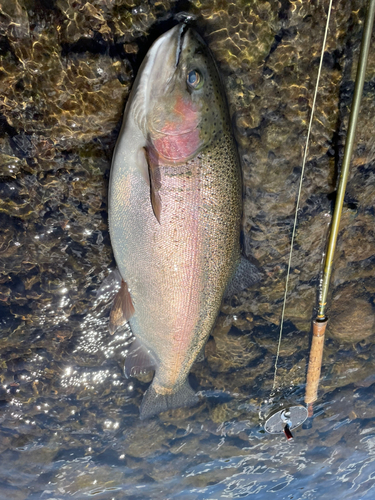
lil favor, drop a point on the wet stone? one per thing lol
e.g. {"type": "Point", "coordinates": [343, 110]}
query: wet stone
{"type": "Point", "coordinates": [352, 317]}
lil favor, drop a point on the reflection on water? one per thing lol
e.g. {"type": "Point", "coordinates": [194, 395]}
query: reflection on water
{"type": "Point", "coordinates": [161, 460]}
{"type": "Point", "coordinates": [69, 425]}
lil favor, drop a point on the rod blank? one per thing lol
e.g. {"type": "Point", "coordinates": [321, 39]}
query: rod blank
{"type": "Point", "coordinates": [358, 90]}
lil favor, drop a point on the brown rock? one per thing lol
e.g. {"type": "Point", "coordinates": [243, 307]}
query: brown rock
{"type": "Point", "coordinates": [351, 317]}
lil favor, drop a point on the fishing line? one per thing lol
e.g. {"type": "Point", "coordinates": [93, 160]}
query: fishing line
{"type": "Point", "coordinates": [299, 192]}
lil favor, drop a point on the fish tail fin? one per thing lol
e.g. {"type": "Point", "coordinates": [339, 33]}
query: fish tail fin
{"type": "Point", "coordinates": [154, 403]}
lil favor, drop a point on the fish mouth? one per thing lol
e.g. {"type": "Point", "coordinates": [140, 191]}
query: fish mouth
{"type": "Point", "coordinates": [181, 32]}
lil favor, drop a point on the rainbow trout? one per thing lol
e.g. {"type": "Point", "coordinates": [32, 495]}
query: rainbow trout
{"type": "Point", "coordinates": [175, 204]}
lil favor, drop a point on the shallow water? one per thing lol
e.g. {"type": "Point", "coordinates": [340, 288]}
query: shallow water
{"type": "Point", "coordinates": [69, 425]}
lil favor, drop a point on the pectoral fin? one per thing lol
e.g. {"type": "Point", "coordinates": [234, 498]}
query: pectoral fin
{"type": "Point", "coordinates": [122, 309]}
{"type": "Point", "coordinates": [154, 180]}
{"type": "Point", "coordinates": [142, 165]}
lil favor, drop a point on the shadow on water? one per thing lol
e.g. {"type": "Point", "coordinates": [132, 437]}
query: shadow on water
{"type": "Point", "coordinates": [69, 425]}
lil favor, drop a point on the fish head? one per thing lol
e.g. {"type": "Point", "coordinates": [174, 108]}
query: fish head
{"type": "Point", "coordinates": [186, 106]}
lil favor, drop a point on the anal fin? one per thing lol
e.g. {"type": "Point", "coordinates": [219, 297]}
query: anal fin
{"type": "Point", "coordinates": [122, 309]}
{"type": "Point", "coordinates": [138, 360]}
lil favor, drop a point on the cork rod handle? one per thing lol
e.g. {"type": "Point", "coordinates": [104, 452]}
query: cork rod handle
{"type": "Point", "coordinates": [315, 363]}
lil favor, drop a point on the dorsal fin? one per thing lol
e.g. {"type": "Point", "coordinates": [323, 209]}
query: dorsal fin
{"type": "Point", "coordinates": [246, 275]}
{"type": "Point", "coordinates": [122, 309]}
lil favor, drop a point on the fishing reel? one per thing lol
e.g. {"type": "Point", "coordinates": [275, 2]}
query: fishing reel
{"type": "Point", "coordinates": [286, 419]}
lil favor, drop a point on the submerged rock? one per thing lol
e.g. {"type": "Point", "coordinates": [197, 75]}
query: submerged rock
{"type": "Point", "coordinates": [352, 316]}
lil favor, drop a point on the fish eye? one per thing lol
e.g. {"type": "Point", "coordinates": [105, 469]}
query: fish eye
{"type": "Point", "coordinates": [194, 79]}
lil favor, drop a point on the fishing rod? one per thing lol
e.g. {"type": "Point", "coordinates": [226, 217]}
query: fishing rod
{"type": "Point", "coordinates": [320, 322]}
{"type": "Point", "coordinates": [288, 418]}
